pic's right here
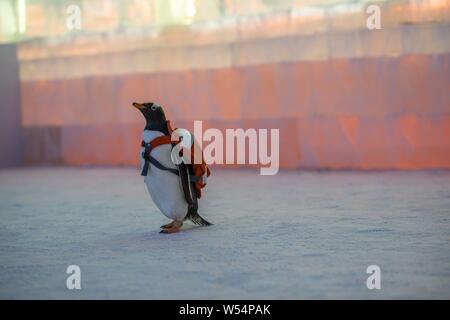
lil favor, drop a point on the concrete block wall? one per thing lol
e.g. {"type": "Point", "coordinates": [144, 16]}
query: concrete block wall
{"type": "Point", "coordinates": [344, 97]}
{"type": "Point", "coordinates": [11, 138]}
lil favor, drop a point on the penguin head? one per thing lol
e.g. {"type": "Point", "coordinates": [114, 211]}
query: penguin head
{"type": "Point", "coordinates": [153, 113]}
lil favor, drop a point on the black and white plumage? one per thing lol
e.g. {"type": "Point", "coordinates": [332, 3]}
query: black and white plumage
{"type": "Point", "coordinates": [164, 187]}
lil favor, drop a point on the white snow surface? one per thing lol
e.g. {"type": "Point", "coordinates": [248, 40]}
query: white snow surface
{"type": "Point", "coordinates": [294, 235]}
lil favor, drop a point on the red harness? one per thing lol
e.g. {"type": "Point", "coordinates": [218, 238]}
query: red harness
{"type": "Point", "coordinates": [199, 171]}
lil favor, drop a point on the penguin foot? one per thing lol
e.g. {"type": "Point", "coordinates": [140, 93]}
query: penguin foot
{"type": "Point", "coordinates": [175, 227]}
{"type": "Point", "coordinates": [169, 225]}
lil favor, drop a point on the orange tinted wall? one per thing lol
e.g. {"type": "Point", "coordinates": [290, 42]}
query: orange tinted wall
{"type": "Point", "coordinates": [368, 113]}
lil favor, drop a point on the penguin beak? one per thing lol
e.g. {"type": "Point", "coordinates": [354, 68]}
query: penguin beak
{"type": "Point", "coordinates": [138, 106]}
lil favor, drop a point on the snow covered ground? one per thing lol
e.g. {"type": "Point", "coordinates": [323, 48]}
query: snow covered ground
{"type": "Point", "coordinates": [293, 235]}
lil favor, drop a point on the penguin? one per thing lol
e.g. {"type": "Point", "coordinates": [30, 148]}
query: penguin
{"type": "Point", "coordinates": [170, 186]}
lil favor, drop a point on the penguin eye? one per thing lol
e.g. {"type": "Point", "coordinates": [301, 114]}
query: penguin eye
{"type": "Point", "coordinates": [153, 108]}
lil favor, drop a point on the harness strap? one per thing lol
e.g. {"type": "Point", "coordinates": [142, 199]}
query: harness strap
{"type": "Point", "coordinates": [145, 167]}
{"type": "Point", "coordinates": [160, 166]}
{"type": "Point", "coordinates": [148, 147]}
{"type": "Point", "coordinates": [157, 141]}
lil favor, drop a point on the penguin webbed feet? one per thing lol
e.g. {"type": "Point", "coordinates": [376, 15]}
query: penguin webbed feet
{"type": "Point", "coordinates": [168, 225]}
{"type": "Point", "coordinates": [172, 227]}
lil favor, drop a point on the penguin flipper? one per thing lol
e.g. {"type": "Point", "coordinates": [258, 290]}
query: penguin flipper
{"type": "Point", "coordinates": [190, 196]}
{"type": "Point", "coordinates": [183, 171]}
